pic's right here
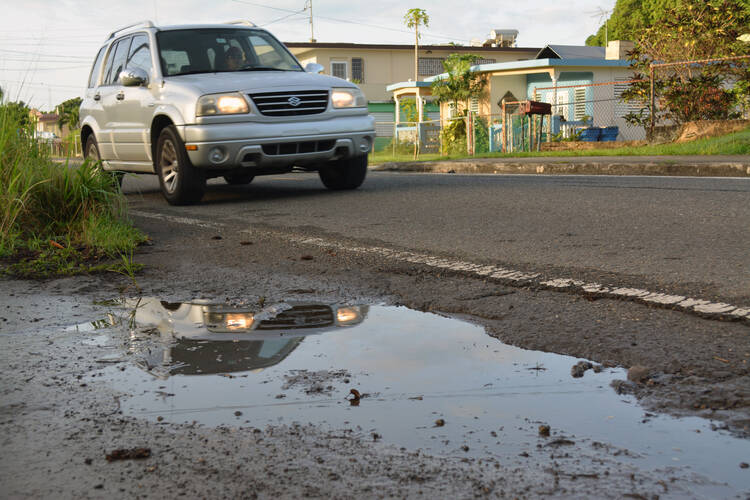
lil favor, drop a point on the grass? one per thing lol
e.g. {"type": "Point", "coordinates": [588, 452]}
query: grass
{"type": "Point", "coordinates": [737, 143]}
{"type": "Point", "coordinates": [55, 219]}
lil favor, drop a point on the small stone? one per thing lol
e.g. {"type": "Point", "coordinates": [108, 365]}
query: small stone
{"type": "Point", "coordinates": [237, 413]}
{"type": "Point", "coordinates": [439, 422]}
{"type": "Point", "coordinates": [465, 448]}
{"type": "Point", "coordinates": [638, 374]}
{"type": "Point", "coordinates": [217, 237]}
{"type": "Point", "coordinates": [544, 430]}
{"type": "Point", "coordinates": [578, 369]}
{"type": "Point", "coordinates": [744, 465]}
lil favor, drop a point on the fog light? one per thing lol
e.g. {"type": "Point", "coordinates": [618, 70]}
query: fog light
{"type": "Point", "coordinates": [217, 155]}
{"type": "Point", "coordinates": [365, 145]}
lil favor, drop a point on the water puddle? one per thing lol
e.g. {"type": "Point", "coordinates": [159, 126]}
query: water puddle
{"type": "Point", "coordinates": [420, 381]}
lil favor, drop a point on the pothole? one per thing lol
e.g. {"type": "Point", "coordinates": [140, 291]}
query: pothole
{"type": "Point", "coordinates": [403, 377]}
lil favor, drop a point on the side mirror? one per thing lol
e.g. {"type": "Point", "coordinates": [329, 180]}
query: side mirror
{"type": "Point", "coordinates": [314, 68]}
{"type": "Point", "coordinates": [133, 77]}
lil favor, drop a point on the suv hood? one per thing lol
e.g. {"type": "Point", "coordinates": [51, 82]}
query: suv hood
{"type": "Point", "coordinates": [256, 81]}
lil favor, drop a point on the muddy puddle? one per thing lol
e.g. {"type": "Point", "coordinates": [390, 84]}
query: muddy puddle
{"type": "Point", "coordinates": [407, 378]}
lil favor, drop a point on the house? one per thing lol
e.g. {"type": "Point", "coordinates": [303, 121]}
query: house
{"type": "Point", "coordinates": [47, 125]}
{"type": "Point", "coordinates": [375, 66]}
{"type": "Point", "coordinates": [583, 84]}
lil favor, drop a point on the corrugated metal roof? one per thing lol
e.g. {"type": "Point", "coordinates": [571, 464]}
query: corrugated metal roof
{"type": "Point", "coordinates": [571, 52]}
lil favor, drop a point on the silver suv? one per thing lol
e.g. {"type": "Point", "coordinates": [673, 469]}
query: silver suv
{"type": "Point", "coordinates": [188, 103]}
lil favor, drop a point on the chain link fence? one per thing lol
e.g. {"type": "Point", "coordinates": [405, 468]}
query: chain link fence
{"type": "Point", "coordinates": [707, 89]}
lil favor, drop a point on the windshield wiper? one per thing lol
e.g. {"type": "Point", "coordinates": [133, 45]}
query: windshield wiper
{"type": "Point", "coordinates": [263, 68]}
{"type": "Point", "coordinates": [192, 72]}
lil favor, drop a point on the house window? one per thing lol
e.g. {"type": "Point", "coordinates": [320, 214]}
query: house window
{"type": "Point", "coordinates": [429, 66]}
{"type": "Point", "coordinates": [579, 104]}
{"type": "Point", "coordinates": [339, 69]}
{"type": "Point", "coordinates": [474, 105]}
{"type": "Point", "coordinates": [358, 70]}
{"type": "Point", "coordinates": [486, 61]}
{"type": "Point", "coordinates": [623, 107]}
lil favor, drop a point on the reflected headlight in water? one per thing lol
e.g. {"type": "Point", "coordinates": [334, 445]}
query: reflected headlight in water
{"type": "Point", "coordinates": [229, 322]}
{"type": "Point", "coordinates": [347, 315]}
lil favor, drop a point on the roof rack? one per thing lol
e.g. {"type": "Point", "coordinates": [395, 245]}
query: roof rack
{"type": "Point", "coordinates": [243, 22]}
{"type": "Point", "coordinates": [144, 24]}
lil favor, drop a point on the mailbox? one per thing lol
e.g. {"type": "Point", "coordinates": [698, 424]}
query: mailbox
{"type": "Point", "coordinates": [536, 108]}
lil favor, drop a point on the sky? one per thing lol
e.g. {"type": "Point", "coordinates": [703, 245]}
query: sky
{"type": "Point", "coordinates": [47, 46]}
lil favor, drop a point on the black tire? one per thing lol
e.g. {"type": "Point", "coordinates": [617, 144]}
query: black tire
{"type": "Point", "coordinates": [91, 153]}
{"type": "Point", "coordinates": [181, 183]}
{"type": "Point", "coordinates": [239, 178]}
{"type": "Point", "coordinates": [347, 173]}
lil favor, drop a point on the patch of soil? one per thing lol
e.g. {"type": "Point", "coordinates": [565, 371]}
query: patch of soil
{"type": "Point", "coordinates": [701, 129]}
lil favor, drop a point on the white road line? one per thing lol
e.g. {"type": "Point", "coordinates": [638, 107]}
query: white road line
{"type": "Point", "coordinates": [518, 278]}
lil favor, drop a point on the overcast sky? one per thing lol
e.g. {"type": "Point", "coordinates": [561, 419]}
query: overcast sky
{"type": "Point", "coordinates": [47, 46]}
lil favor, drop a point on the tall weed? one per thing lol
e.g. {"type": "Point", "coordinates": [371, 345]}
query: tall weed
{"type": "Point", "coordinates": [79, 208]}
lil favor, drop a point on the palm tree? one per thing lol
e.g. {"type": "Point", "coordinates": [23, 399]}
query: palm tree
{"type": "Point", "coordinates": [414, 18]}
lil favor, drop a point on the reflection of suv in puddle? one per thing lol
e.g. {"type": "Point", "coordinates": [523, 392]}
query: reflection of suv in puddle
{"type": "Point", "coordinates": [193, 102]}
{"type": "Point", "coordinates": [201, 337]}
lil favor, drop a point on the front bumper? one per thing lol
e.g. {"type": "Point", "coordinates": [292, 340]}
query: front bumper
{"type": "Point", "coordinates": [263, 145]}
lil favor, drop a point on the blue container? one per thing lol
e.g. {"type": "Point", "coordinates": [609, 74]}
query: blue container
{"type": "Point", "coordinates": [590, 134]}
{"type": "Point", "coordinates": [609, 134]}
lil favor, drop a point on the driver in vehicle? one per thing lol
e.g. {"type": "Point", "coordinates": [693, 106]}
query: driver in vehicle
{"type": "Point", "coordinates": [234, 58]}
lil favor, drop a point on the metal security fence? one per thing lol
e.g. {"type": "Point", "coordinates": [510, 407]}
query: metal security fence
{"type": "Point", "coordinates": [591, 112]}
{"type": "Point", "coordinates": [700, 89]}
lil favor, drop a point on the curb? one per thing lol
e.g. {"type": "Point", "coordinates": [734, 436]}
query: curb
{"type": "Point", "coordinates": [575, 167]}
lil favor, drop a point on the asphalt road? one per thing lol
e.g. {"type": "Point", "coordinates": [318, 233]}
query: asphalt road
{"type": "Point", "coordinates": [669, 234]}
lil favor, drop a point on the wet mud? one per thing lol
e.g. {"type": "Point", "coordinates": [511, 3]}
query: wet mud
{"type": "Point", "coordinates": [80, 383]}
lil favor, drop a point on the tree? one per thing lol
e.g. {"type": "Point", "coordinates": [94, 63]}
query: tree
{"type": "Point", "coordinates": [461, 83]}
{"type": "Point", "coordinates": [694, 30]}
{"type": "Point", "coordinates": [414, 18]}
{"type": "Point", "coordinates": [69, 112]}
{"type": "Point", "coordinates": [459, 86]}
{"type": "Point", "coordinates": [629, 18]}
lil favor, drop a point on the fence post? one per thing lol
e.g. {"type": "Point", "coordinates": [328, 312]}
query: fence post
{"type": "Point", "coordinates": [652, 101]}
{"type": "Point", "coordinates": [505, 130]}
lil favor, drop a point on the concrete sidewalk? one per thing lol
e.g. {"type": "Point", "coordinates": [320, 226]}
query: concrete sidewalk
{"type": "Point", "coordinates": [696, 166]}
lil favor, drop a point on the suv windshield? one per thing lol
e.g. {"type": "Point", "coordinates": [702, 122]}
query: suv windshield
{"type": "Point", "coordinates": [211, 50]}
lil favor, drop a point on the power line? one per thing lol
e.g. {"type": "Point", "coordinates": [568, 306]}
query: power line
{"type": "Point", "coordinates": [352, 22]}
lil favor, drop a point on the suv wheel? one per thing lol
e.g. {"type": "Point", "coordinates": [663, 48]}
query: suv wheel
{"type": "Point", "coordinates": [347, 173]}
{"type": "Point", "coordinates": [238, 178]}
{"type": "Point", "coordinates": [181, 183]}
{"type": "Point", "coordinates": [91, 153]}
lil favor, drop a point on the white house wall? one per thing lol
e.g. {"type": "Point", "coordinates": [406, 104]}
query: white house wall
{"type": "Point", "coordinates": [499, 85]}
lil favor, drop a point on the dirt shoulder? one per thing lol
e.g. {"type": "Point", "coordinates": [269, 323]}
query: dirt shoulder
{"type": "Point", "coordinates": [60, 420]}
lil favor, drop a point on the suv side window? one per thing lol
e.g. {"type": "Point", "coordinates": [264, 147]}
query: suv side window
{"type": "Point", "coordinates": [140, 54]}
{"type": "Point", "coordinates": [95, 70]}
{"type": "Point", "coordinates": [116, 61]}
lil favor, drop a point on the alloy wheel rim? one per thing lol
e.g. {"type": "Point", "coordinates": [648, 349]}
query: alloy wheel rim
{"type": "Point", "coordinates": [169, 166]}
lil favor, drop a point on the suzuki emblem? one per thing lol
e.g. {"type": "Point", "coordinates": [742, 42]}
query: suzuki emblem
{"type": "Point", "coordinates": [294, 101]}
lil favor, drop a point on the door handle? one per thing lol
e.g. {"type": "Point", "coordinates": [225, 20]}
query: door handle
{"type": "Point", "coordinates": [97, 97]}
{"type": "Point", "coordinates": [120, 96]}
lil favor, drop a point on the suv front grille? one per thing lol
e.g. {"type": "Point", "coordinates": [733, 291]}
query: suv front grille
{"type": "Point", "coordinates": [303, 102]}
{"type": "Point", "coordinates": [312, 316]}
{"type": "Point", "coordinates": [293, 148]}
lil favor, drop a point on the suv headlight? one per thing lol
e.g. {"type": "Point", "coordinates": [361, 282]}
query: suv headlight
{"type": "Point", "coordinates": [348, 98]}
{"type": "Point", "coordinates": [221, 104]}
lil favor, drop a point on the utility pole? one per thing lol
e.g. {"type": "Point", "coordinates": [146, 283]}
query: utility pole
{"type": "Point", "coordinates": [308, 5]}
